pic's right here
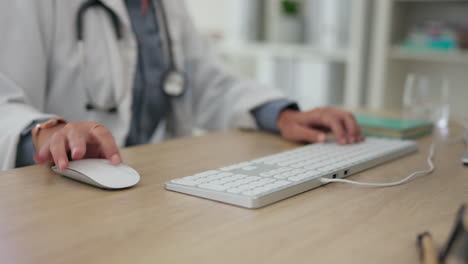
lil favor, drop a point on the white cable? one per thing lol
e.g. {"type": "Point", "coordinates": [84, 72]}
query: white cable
{"type": "Point", "coordinates": [430, 157]}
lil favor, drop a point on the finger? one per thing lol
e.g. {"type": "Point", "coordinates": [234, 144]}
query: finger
{"type": "Point", "coordinates": [338, 130]}
{"type": "Point", "coordinates": [77, 144]}
{"type": "Point", "coordinates": [352, 128]}
{"type": "Point", "coordinates": [108, 147]}
{"type": "Point", "coordinates": [43, 155]}
{"type": "Point", "coordinates": [58, 149]}
{"type": "Point", "coordinates": [306, 134]}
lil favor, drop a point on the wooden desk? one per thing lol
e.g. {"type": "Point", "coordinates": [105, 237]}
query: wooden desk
{"type": "Point", "coordinates": [46, 218]}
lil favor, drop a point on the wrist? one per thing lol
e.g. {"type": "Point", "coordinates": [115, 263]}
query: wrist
{"type": "Point", "coordinates": [284, 117]}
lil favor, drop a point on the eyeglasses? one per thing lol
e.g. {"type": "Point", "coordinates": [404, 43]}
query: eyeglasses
{"type": "Point", "coordinates": [457, 243]}
{"type": "Point", "coordinates": [455, 249]}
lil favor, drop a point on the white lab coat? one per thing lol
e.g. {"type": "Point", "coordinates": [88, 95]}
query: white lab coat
{"type": "Point", "coordinates": [41, 74]}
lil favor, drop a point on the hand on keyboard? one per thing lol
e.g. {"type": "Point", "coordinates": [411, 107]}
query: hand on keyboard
{"type": "Point", "coordinates": [313, 125]}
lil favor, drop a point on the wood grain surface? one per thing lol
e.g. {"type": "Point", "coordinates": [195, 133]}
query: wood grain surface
{"type": "Point", "coordinates": [46, 218]}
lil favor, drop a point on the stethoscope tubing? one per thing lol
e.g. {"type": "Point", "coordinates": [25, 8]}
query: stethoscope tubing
{"type": "Point", "coordinates": [82, 12]}
{"type": "Point", "coordinates": [117, 26]}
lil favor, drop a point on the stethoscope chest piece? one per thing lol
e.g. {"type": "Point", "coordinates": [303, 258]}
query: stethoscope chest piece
{"type": "Point", "coordinates": [174, 83]}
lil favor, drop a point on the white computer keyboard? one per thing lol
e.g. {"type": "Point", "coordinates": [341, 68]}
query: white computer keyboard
{"type": "Point", "coordinates": [268, 179]}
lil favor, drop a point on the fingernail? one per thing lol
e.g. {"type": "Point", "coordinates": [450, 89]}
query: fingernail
{"type": "Point", "coordinates": [62, 164]}
{"type": "Point", "coordinates": [73, 154]}
{"type": "Point", "coordinates": [37, 158]}
{"type": "Point", "coordinates": [115, 159]}
{"type": "Point", "coordinates": [322, 138]}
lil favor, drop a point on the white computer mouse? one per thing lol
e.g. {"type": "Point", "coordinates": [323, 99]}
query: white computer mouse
{"type": "Point", "coordinates": [100, 173]}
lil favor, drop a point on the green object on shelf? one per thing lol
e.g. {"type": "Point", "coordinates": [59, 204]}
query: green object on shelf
{"type": "Point", "coordinates": [290, 7]}
{"type": "Point", "coordinates": [389, 123]}
{"type": "Point", "coordinates": [393, 127]}
{"type": "Point", "coordinates": [436, 46]}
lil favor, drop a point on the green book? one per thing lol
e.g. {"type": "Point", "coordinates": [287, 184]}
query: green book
{"type": "Point", "coordinates": [393, 127]}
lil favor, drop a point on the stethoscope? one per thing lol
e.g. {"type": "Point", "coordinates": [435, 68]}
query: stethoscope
{"type": "Point", "coordinates": [173, 81]}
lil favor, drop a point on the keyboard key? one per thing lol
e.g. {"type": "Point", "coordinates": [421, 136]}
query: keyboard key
{"type": "Point", "coordinates": [298, 165]}
{"type": "Point", "coordinates": [281, 183]}
{"type": "Point", "coordinates": [206, 173]}
{"type": "Point", "coordinates": [325, 169]}
{"type": "Point", "coordinates": [281, 176]}
{"type": "Point", "coordinates": [203, 180]}
{"type": "Point", "coordinates": [244, 187]}
{"type": "Point", "coordinates": [215, 177]}
{"type": "Point", "coordinates": [312, 166]}
{"type": "Point", "coordinates": [191, 178]}
{"type": "Point", "coordinates": [232, 184]}
{"type": "Point", "coordinates": [225, 180]}
{"type": "Point", "coordinates": [254, 185]}
{"type": "Point", "coordinates": [234, 190]}
{"type": "Point", "coordinates": [244, 164]}
{"type": "Point", "coordinates": [296, 171]}
{"type": "Point", "coordinates": [224, 174]}
{"type": "Point", "coordinates": [185, 182]}
{"type": "Point", "coordinates": [262, 189]}
{"type": "Point", "coordinates": [275, 172]}
{"type": "Point", "coordinates": [271, 186]}
{"type": "Point", "coordinates": [218, 182]}
{"type": "Point", "coordinates": [265, 181]}
{"type": "Point", "coordinates": [256, 161]}
{"type": "Point", "coordinates": [247, 180]}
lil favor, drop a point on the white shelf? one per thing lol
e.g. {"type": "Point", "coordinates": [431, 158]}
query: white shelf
{"type": "Point", "coordinates": [283, 50]}
{"type": "Point", "coordinates": [352, 58]}
{"type": "Point", "coordinates": [390, 64]}
{"type": "Point", "coordinates": [399, 53]}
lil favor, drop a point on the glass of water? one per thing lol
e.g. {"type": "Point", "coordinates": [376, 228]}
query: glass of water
{"type": "Point", "coordinates": [426, 98]}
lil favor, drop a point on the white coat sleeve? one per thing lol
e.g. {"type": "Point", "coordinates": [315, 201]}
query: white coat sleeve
{"type": "Point", "coordinates": [26, 35]}
{"type": "Point", "coordinates": [221, 98]}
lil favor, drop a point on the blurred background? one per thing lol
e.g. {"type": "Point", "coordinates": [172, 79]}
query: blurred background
{"type": "Point", "coordinates": [386, 54]}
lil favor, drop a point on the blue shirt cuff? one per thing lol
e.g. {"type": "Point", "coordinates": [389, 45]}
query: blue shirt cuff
{"type": "Point", "coordinates": [25, 149]}
{"type": "Point", "coordinates": [267, 114]}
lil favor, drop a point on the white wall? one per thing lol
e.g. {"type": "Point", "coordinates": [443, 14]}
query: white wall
{"type": "Point", "coordinates": [210, 18]}
{"type": "Point", "coordinates": [208, 15]}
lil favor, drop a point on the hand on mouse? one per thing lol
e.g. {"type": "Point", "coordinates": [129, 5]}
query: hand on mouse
{"type": "Point", "coordinates": [313, 125]}
{"type": "Point", "coordinates": [80, 140]}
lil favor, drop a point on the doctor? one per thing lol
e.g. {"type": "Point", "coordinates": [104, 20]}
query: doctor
{"type": "Point", "coordinates": [81, 78]}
